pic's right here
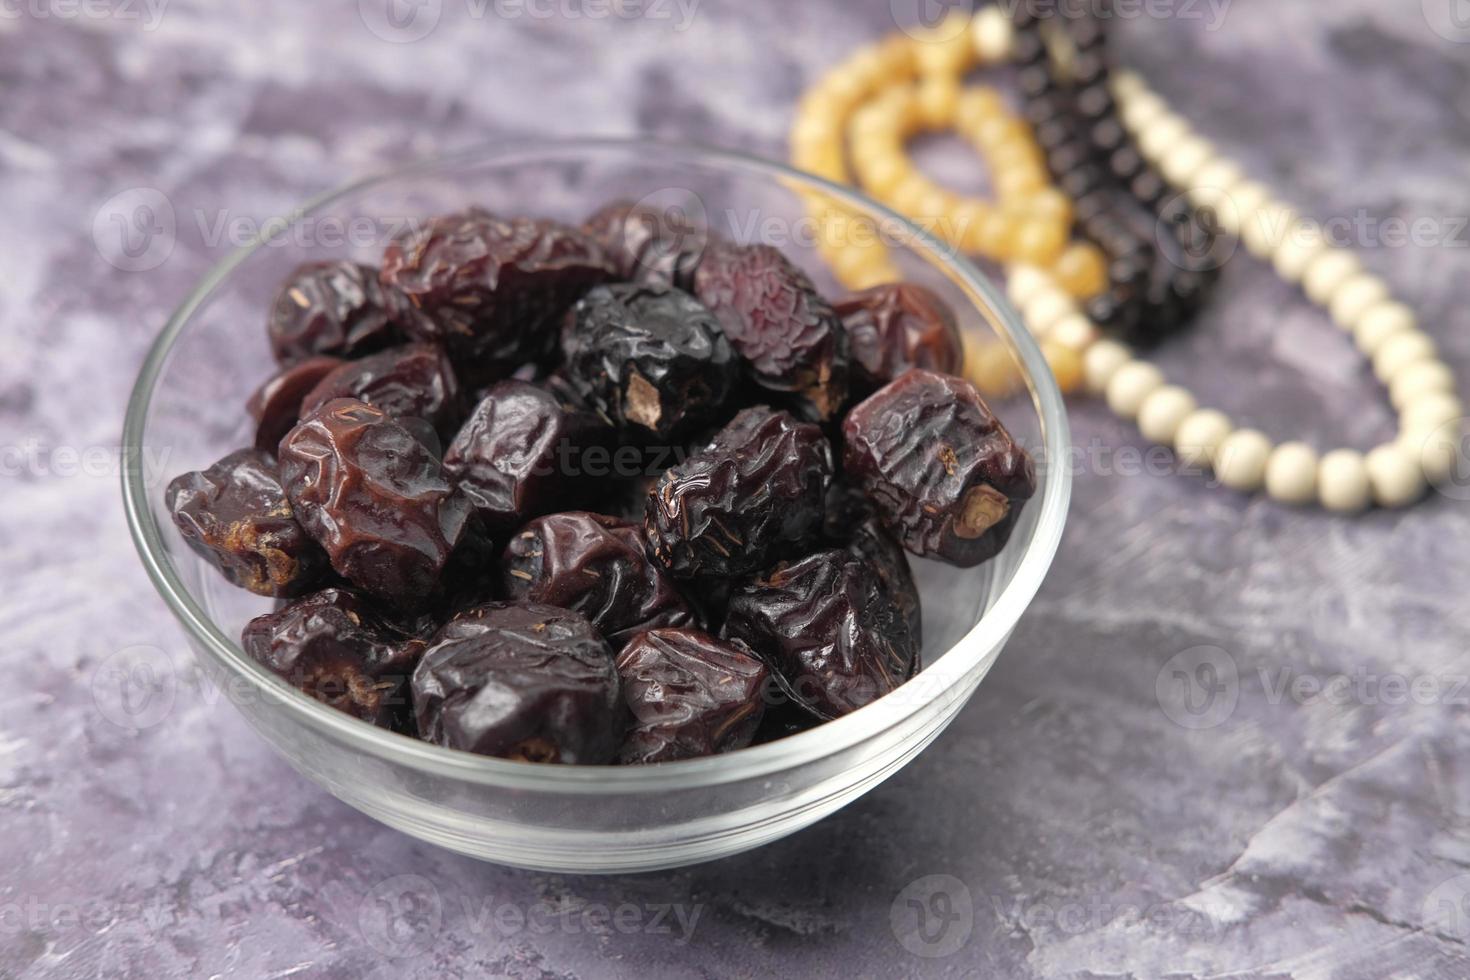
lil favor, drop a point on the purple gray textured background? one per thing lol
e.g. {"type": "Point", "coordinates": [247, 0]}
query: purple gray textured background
{"type": "Point", "coordinates": [1090, 827]}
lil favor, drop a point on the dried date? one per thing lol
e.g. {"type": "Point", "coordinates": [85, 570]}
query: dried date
{"type": "Point", "coordinates": [897, 326]}
{"type": "Point", "coordinates": [237, 516]}
{"type": "Point", "coordinates": [335, 308]}
{"type": "Point", "coordinates": [375, 498]}
{"type": "Point", "coordinates": [276, 405]}
{"type": "Point", "coordinates": [941, 471]}
{"type": "Point", "coordinates": [649, 245]}
{"type": "Point", "coordinates": [651, 358]}
{"type": "Point", "coordinates": [690, 695]}
{"type": "Point", "coordinates": [754, 494]}
{"type": "Point", "coordinates": [414, 381]}
{"type": "Point", "coordinates": [852, 524]}
{"type": "Point", "coordinates": [521, 681]}
{"type": "Point", "coordinates": [597, 566]}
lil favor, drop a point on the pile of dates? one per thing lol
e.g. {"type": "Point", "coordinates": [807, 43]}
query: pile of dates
{"type": "Point", "coordinates": [619, 493]}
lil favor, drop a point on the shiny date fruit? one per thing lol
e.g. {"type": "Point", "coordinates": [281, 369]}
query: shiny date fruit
{"type": "Point", "coordinates": [492, 290]}
{"type": "Point", "coordinates": [413, 381]}
{"type": "Point", "coordinates": [597, 566]}
{"type": "Point", "coordinates": [333, 646]}
{"type": "Point", "coordinates": [754, 494]}
{"type": "Point", "coordinates": [334, 308]}
{"type": "Point", "coordinates": [649, 245]}
{"type": "Point", "coordinates": [276, 405]}
{"type": "Point", "coordinates": [375, 498]}
{"type": "Point", "coordinates": [790, 337]}
{"type": "Point", "coordinates": [690, 695]}
{"type": "Point", "coordinates": [851, 524]}
{"type": "Point", "coordinates": [941, 471]}
{"type": "Point", "coordinates": [523, 681]}
{"type": "Point", "coordinates": [651, 358]}
{"type": "Point", "coordinates": [523, 453]}
{"type": "Point", "coordinates": [237, 516]}
{"type": "Point", "coordinates": [897, 326]}
{"type": "Point", "coordinates": [829, 627]}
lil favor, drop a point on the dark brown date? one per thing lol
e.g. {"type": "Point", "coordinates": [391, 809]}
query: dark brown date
{"type": "Point", "coordinates": [333, 646]}
{"type": "Point", "coordinates": [237, 516]}
{"type": "Point", "coordinates": [521, 681]}
{"type": "Point", "coordinates": [851, 524]}
{"type": "Point", "coordinates": [649, 245]}
{"type": "Point", "coordinates": [754, 494]}
{"type": "Point", "coordinates": [335, 308]}
{"type": "Point", "coordinates": [414, 381]}
{"type": "Point", "coordinates": [789, 336]}
{"type": "Point", "coordinates": [829, 627]}
{"type": "Point", "coordinates": [276, 405]}
{"type": "Point", "coordinates": [524, 453]}
{"type": "Point", "coordinates": [690, 695]}
{"type": "Point", "coordinates": [897, 326]}
{"type": "Point", "coordinates": [651, 358]}
{"type": "Point", "coordinates": [492, 290]}
{"type": "Point", "coordinates": [597, 566]}
{"type": "Point", "coordinates": [374, 496]}
{"type": "Point", "coordinates": [941, 471]}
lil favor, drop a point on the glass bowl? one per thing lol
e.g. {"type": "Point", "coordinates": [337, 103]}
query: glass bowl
{"type": "Point", "coordinates": [187, 411]}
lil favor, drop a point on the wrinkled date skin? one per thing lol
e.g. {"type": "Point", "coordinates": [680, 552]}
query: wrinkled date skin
{"type": "Point", "coordinates": [332, 646]}
{"type": "Point", "coordinates": [650, 358]}
{"type": "Point", "coordinates": [690, 695]}
{"type": "Point", "coordinates": [276, 405]}
{"type": "Point", "coordinates": [829, 627]}
{"type": "Point", "coordinates": [492, 290]}
{"type": "Point", "coordinates": [897, 326]}
{"type": "Point", "coordinates": [414, 381]}
{"type": "Point", "coordinates": [791, 339]}
{"type": "Point", "coordinates": [852, 525]}
{"type": "Point", "coordinates": [524, 453]}
{"type": "Point", "coordinates": [597, 566]}
{"type": "Point", "coordinates": [237, 516]}
{"type": "Point", "coordinates": [335, 308]}
{"type": "Point", "coordinates": [521, 681]}
{"type": "Point", "coordinates": [374, 496]}
{"type": "Point", "coordinates": [942, 472]}
{"type": "Point", "coordinates": [754, 494]}
{"type": "Point", "coordinates": [649, 245]}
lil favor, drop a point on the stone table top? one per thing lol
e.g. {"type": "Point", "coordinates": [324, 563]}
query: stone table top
{"type": "Point", "coordinates": [1318, 826]}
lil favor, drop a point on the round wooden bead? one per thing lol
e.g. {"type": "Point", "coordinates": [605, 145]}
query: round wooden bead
{"type": "Point", "coordinates": [1046, 309]}
{"type": "Point", "coordinates": [1400, 350]}
{"type": "Point", "coordinates": [1127, 84]}
{"type": "Point", "coordinates": [1295, 252]}
{"type": "Point", "coordinates": [1162, 412]}
{"type": "Point", "coordinates": [1065, 364]}
{"type": "Point", "coordinates": [938, 97]}
{"type": "Point", "coordinates": [1438, 450]}
{"type": "Point", "coordinates": [1141, 110]}
{"type": "Point", "coordinates": [1239, 203]}
{"type": "Point", "coordinates": [1076, 331]}
{"type": "Point", "coordinates": [1430, 410]}
{"type": "Point", "coordinates": [1418, 379]}
{"type": "Point", "coordinates": [1218, 173]}
{"type": "Point", "coordinates": [1328, 270]}
{"type": "Point", "coordinates": [1354, 297]}
{"type": "Point", "coordinates": [1199, 436]}
{"type": "Point", "coordinates": [1081, 269]}
{"type": "Point", "coordinates": [1240, 462]}
{"type": "Point", "coordinates": [1264, 230]}
{"type": "Point", "coordinates": [1291, 473]}
{"type": "Point", "coordinates": [1101, 361]}
{"type": "Point", "coordinates": [1180, 164]}
{"type": "Point", "coordinates": [1342, 481]}
{"type": "Point", "coordinates": [1130, 385]}
{"type": "Point", "coordinates": [1395, 476]}
{"type": "Point", "coordinates": [1161, 134]}
{"type": "Point", "coordinates": [1381, 321]}
{"type": "Point", "coordinates": [992, 34]}
{"type": "Point", "coordinates": [1025, 282]}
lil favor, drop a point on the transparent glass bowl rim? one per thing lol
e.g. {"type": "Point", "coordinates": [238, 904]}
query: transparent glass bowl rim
{"type": "Point", "coordinates": [754, 762]}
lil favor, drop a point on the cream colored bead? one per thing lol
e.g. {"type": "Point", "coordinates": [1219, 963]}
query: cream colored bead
{"type": "Point", "coordinates": [1143, 110]}
{"type": "Point", "coordinates": [1265, 230]}
{"type": "Point", "coordinates": [1329, 269]}
{"type": "Point", "coordinates": [1401, 350]}
{"type": "Point", "coordinates": [993, 35]}
{"type": "Point", "coordinates": [938, 97]}
{"type": "Point", "coordinates": [1342, 481]}
{"type": "Point", "coordinates": [1240, 462]}
{"type": "Point", "coordinates": [1130, 385]}
{"type": "Point", "coordinates": [1431, 410]}
{"type": "Point", "coordinates": [1438, 450]}
{"type": "Point", "coordinates": [1101, 361]}
{"type": "Point", "coordinates": [1420, 379]}
{"type": "Point", "coordinates": [1162, 412]}
{"type": "Point", "coordinates": [1381, 321]}
{"type": "Point", "coordinates": [1395, 475]}
{"type": "Point", "coordinates": [1127, 84]}
{"type": "Point", "coordinates": [1291, 473]}
{"type": "Point", "coordinates": [1023, 282]}
{"type": "Point", "coordinates": [1180, 164]}
{"type": "Point", "coordinates": [1075, 331]}
{"type": "Point", "coordinates": [1302, 244]}
{"type": "Point", "coordinates": [1218, 173]}
{"type": "Point", "coordinates": [1162, 135]}
{"type": "Point", "coordinates": [1355, 297]}
{"type": "Point", "coordinates": [1239, 203]}
{"type": "Point", "coordinates": [1199, 436]}
{"type": "Point", "coordinates": [1046, 309]}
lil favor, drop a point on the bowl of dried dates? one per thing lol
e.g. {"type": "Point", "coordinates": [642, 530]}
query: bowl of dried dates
{"type": "Point", "coordinates": [557, 504]}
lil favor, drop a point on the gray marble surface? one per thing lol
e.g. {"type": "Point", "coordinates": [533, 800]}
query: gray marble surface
{"type": "Point", "coordinates": [1089, 824]}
